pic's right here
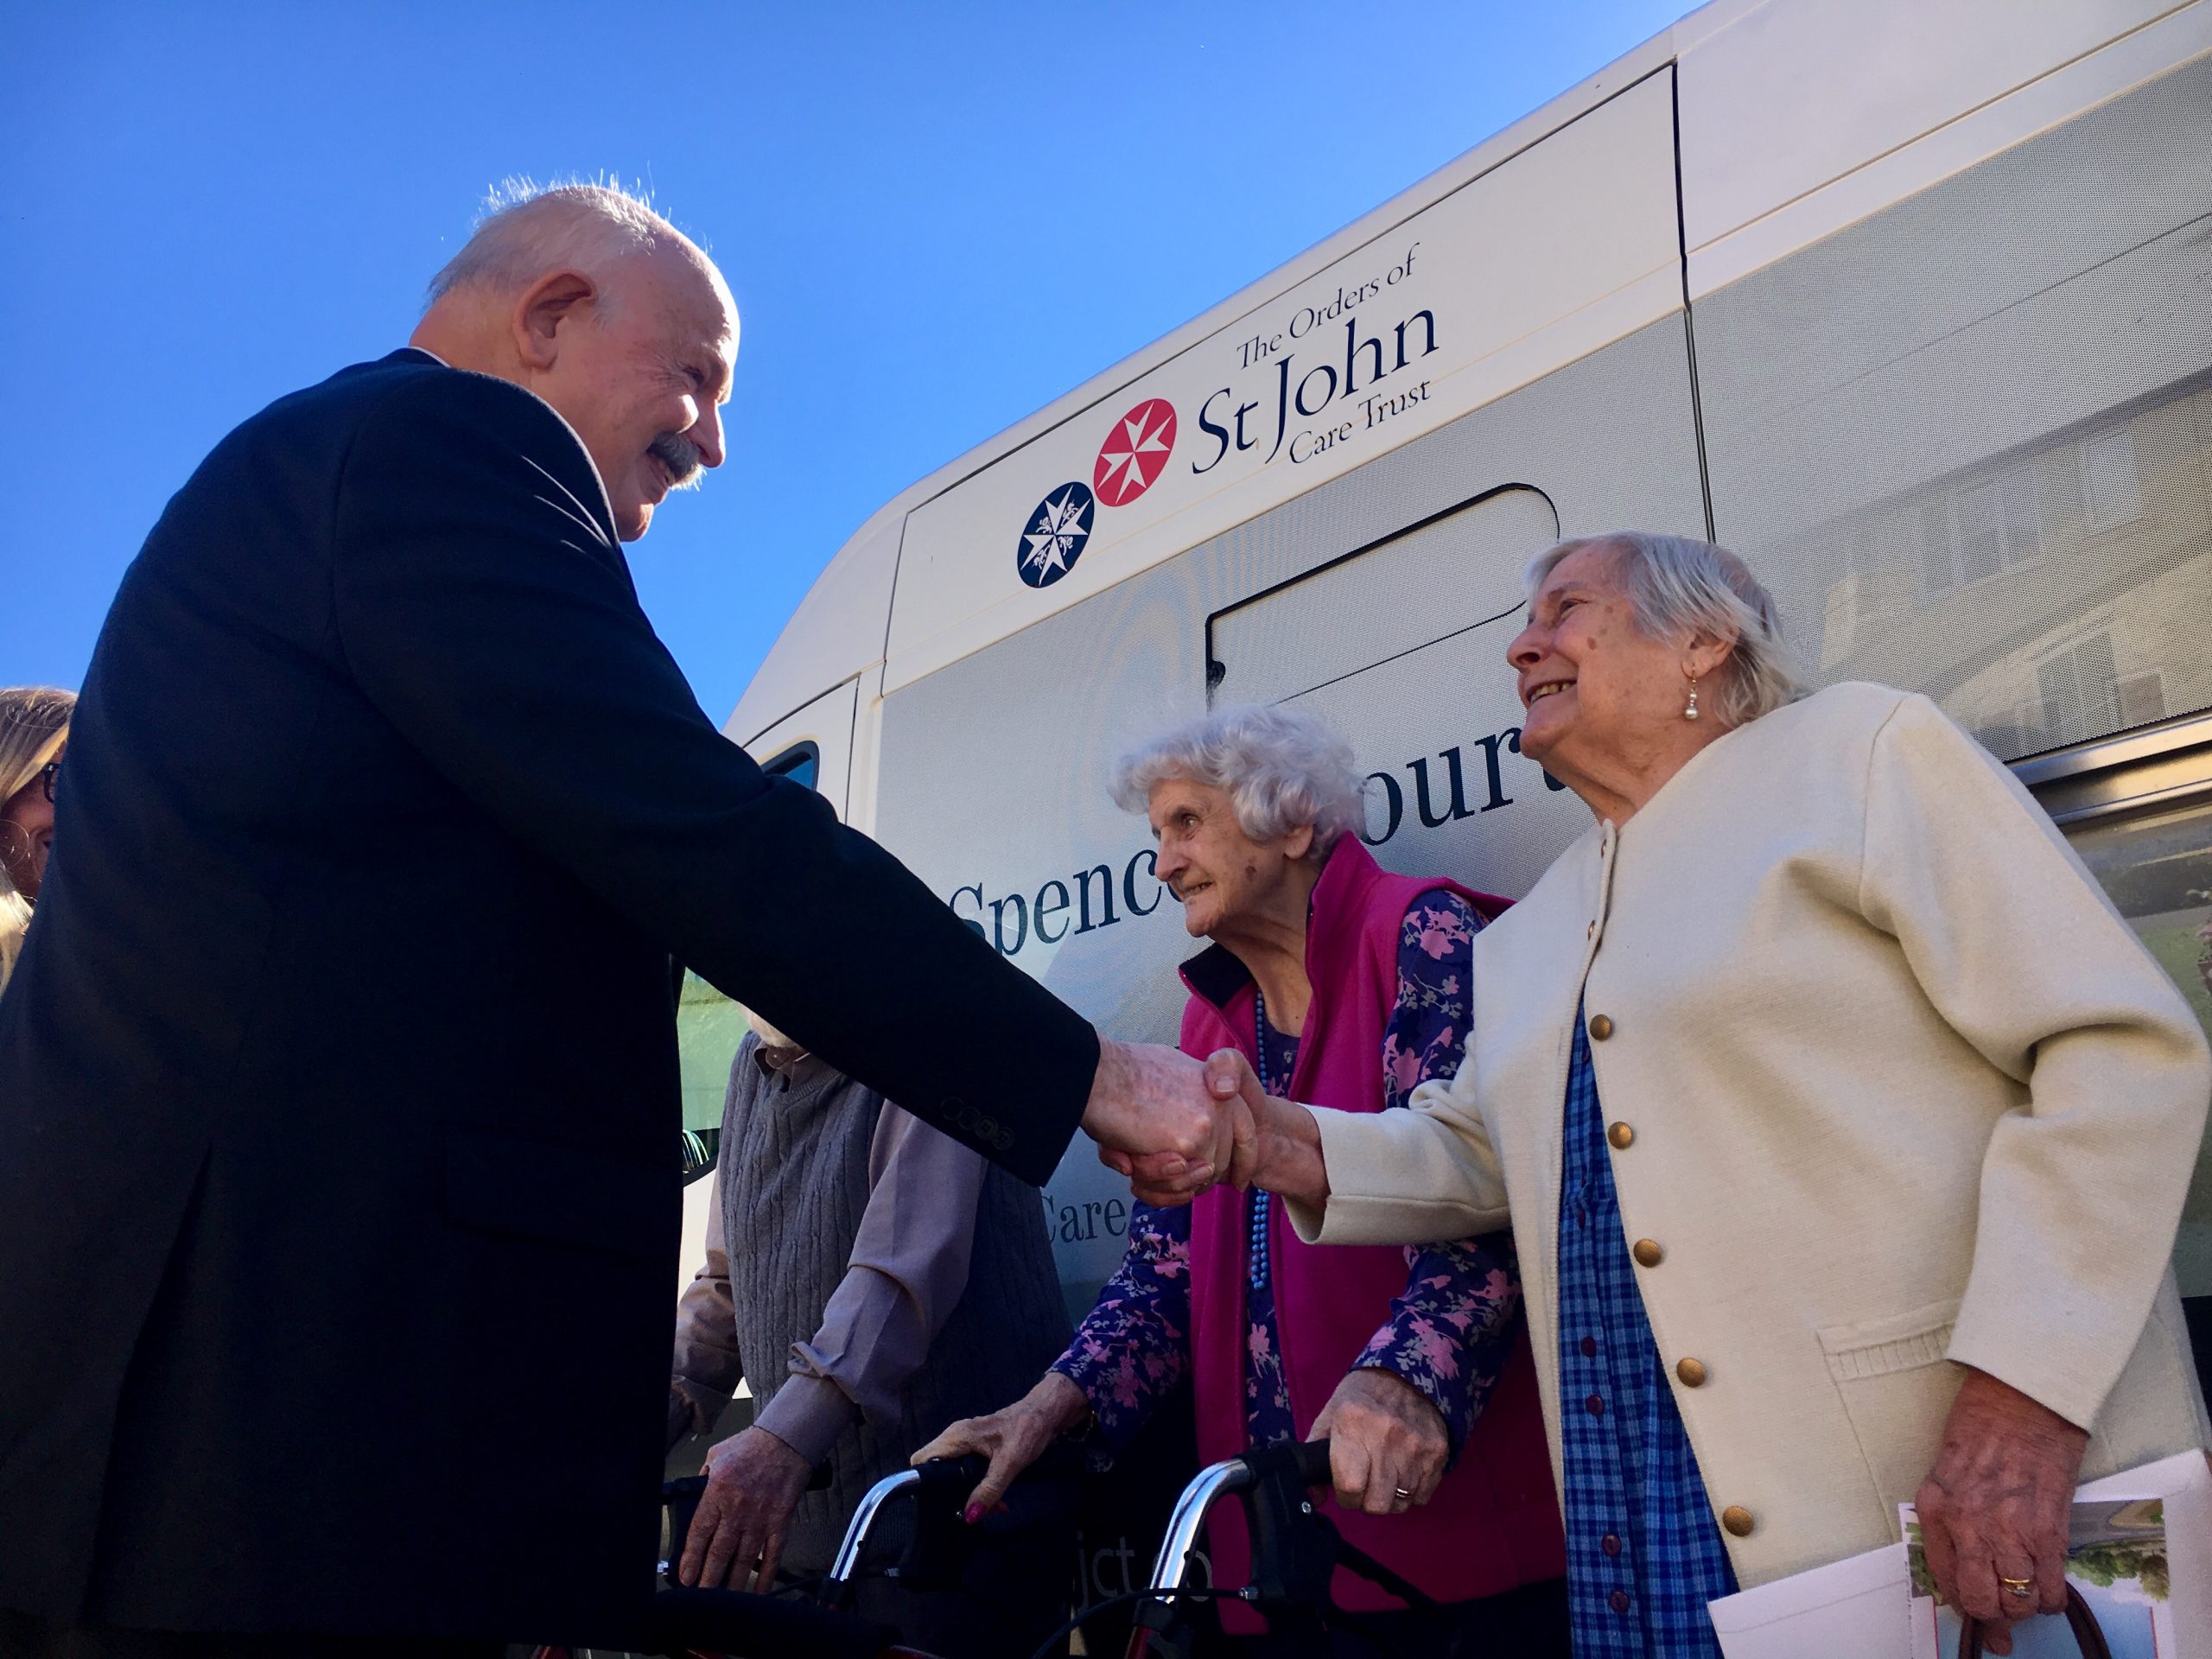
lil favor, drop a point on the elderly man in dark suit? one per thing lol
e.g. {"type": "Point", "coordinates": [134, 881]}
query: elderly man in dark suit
{"type": "Point", "coordinates": [344, 1047]}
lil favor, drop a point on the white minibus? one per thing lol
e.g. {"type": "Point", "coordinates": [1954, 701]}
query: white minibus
{"type": "Point", "coordinates": [1909, 304]}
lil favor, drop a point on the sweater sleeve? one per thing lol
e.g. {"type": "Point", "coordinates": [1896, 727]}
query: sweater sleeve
{"type": "Point", "coordinates": [1405, 1178]}
{"type": "Point", "coordinates": [2012, 943]}
{"type": "Point", "coordinates": [906, 1273]}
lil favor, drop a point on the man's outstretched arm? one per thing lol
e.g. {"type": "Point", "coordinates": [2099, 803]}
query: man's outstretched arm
{"type": "Point", "coordinates": [482, 608]}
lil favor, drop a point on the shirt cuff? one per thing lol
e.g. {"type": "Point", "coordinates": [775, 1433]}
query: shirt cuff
{"type": "Point", "coordinates": [692, 1409]}
{"type": "Point", "coordinates": [808, 1414]}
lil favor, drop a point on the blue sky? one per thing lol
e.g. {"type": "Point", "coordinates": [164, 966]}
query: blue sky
{"type": "Point", "coordinates": [935, 217]}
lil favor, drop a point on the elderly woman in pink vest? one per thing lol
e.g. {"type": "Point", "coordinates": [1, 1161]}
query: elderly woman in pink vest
{"type": "Point", "coordinates": [1342, 983]}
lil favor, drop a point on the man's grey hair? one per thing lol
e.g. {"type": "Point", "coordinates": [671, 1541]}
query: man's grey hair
{"type": "Point", "coordinates": [1281, 768]}
{"type": "Point", "coordinates": [529, 229]}
{"type": "Point", "coordinates": [1676, 585]}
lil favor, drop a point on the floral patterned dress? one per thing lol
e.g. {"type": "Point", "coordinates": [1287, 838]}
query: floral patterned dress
{"type": "Point", "coordinates": [1447, 1333]}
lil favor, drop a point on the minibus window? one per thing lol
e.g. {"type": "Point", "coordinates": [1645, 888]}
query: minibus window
{"type": "Point", "coordinates": [2138, 810]}
{"type": "Point", "coordinates": [801, 763]}
{"type": "Point", "coordinates": [2156, 868]}
{"type": "Point", "coordinates": [1965, 441]}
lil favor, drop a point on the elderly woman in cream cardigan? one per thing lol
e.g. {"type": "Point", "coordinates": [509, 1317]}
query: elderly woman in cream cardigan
{"type": "Point", "coordinates": [1843, 1125]}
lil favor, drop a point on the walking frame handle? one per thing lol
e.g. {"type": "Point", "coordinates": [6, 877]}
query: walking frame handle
{"type": "Point", "coordinates": [940, 1542]}
{"type": "Point", "coordinates": [1296, 1550]}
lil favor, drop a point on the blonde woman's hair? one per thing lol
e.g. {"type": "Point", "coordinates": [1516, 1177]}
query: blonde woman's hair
{"type": "Point", "coordinates": [33, 726]}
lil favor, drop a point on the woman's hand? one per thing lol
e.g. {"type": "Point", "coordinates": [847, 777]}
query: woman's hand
{"type": "Point", "coordinates": [1277, 1144]}
{"type": "Point", "coordinates": [1997, 1505]}
{"type": "Point", "coordinates": [1012, 1439]}
{"type": "Point", "coordinates": [1385, 1439]}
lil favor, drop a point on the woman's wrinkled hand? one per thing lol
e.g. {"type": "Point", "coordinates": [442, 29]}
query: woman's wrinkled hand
{"type": "Point", "coordinates": [1385, 1437]}
{"type": "Point", "coordinates": [1275, 1144]}
{"type": "Point", "coordinates": [1012, 1439]}
{"type": "Point", "coordinates": [1996, 1504]}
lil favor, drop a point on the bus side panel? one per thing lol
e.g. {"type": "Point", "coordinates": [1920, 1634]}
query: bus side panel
{"type": "Point", "coordinates": [995, 770]}
{"type": "Point", "coordinates": [1968, 441]}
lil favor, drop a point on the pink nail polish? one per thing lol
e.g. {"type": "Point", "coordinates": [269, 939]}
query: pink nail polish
{"type": "Point", "coordinates": [974, 1513]}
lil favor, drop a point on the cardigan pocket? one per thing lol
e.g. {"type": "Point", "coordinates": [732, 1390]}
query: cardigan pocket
{"type": "Point", "coordinates": [1896, 1390]}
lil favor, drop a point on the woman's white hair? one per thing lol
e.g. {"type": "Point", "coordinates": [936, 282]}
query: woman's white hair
{"type": "Point", "coordinates": [1281, 768]}
{"type": "Point", "coordinates": [529, 229]}
{"type": "Point", "coordinates": [1677, 586]}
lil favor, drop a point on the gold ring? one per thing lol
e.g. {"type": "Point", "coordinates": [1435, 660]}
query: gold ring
{"type": "Point", "coordinates": [2022, 1587]}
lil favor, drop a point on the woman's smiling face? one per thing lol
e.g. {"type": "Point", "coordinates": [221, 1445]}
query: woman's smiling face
{"type": "Point", "coordinates": [1591, 682]}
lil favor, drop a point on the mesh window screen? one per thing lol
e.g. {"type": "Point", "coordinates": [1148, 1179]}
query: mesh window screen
{"type": "Point", "coordinates": [1968, 441]}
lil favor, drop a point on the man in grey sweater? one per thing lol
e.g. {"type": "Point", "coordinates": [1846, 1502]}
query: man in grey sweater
{"type": "Point", "coordinates": [873, 1280]}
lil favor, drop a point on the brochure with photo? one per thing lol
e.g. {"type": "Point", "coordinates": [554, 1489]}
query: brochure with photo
{"type": "Point", "coordinates": [2141, 1556]}
{"type": "Point", "coordinates": [2116, 1557]}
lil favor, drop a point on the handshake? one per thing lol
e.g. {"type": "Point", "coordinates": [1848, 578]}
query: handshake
{"type": "Point", "coordinates": [1176, 1125]}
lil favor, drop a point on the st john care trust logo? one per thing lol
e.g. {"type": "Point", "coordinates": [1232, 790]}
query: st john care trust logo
{"type": "Point", "coordinates": [1057, 531]}
{"type": "Point", "coordinates": [1129, 462]}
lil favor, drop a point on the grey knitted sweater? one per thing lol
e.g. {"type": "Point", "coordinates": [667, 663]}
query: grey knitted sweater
{"type": "Point", "coordinates": [794, 1175]}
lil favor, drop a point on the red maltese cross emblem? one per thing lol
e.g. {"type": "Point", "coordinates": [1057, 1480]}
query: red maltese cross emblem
{"type": "Point", "coordinates": [1134, 454]}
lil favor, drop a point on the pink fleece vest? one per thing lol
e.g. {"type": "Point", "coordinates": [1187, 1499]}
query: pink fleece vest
{"type": "Point", "coordinates": [1494, 1522]}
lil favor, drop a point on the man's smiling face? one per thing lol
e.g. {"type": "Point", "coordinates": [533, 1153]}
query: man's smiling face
{"type": "Point", "coordinates": [642, 373]}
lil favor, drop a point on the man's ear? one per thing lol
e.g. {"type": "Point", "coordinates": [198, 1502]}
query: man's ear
{"type": "Point", "coordinates": [545, 305]}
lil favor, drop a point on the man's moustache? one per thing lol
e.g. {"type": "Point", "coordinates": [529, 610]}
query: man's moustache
{"type": "Point", "coordinates": [681, 456]}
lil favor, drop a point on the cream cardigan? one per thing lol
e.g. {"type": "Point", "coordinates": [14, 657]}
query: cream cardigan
{"type": "Point", "coordinates": [1902, 1088]}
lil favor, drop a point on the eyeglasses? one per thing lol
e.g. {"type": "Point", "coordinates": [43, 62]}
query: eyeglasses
{"type": "Point", "coordinates": [46, 776]}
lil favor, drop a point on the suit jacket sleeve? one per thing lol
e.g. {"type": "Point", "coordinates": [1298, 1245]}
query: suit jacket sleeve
{"type": "Point", "coordinates": [482, 604]}
{"type": "Point", "coordinates": [2017, 950]}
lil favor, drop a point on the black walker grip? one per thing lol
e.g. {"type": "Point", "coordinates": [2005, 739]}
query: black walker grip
{"type": "Point", "coordinates": [942, 1542]}
{"type": "Point", "coordinates": [1311, 1460]}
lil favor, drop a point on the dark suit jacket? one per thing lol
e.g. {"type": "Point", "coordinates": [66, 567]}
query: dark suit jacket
{"type": "Point", "coordinates": [342, 1049]}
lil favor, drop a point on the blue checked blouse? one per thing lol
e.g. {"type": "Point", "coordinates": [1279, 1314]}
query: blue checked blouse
{"type": "Point", "coordinates": [1643, 1553]}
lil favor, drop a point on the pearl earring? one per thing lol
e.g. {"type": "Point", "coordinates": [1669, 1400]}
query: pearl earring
{"type": "Point", "coordinates": [1690, 712]}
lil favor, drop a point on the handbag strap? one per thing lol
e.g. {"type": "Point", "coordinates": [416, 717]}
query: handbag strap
{"type": "Point", "coordinates": [2087, 1634]}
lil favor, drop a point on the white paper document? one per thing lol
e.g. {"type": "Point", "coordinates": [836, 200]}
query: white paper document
{"type": "Point", "coordinates": [1854, 1607]}
{"type": "Point", "coordinates": [2140, 1555]}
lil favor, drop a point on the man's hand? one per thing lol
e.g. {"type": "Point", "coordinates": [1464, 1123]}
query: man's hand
{"type": "Point", "coordinates": [753, 1483]}
{"type": "Point", "coordinates": [1012, 1439]}
{"type": "Point", "coordinates": [1385, 1437]}
{"type": "Point", "coordinates": [1277, 1145]}
{"type": "Point", "coordinates": [1997, 1505]}
{"type": "Point", "coordinates": [1155, 1121]}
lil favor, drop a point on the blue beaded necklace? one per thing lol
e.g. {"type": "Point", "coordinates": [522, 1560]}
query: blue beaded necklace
{"type": "Point", "coordinates": [1256, 1256]}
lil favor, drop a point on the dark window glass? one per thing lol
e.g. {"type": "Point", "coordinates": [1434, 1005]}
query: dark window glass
{"type": "Point", "coordinates": [802, 763]}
